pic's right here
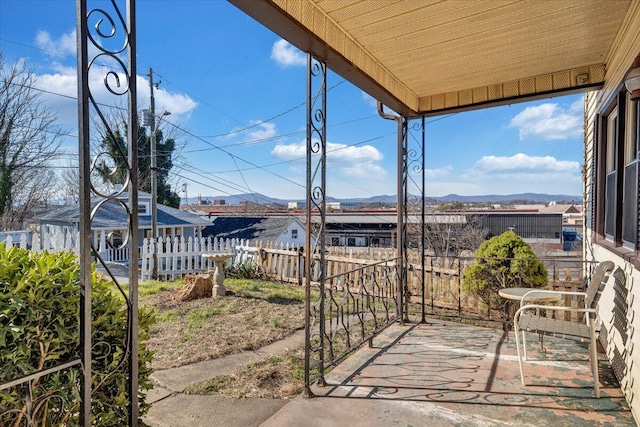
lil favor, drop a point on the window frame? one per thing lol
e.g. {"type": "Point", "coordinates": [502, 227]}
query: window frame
{"type": "Point", "coordinates": [626, 152]}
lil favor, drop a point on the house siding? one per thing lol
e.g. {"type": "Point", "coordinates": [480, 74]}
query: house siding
{"type": "Point", "coordinates": [287, 236]}
{"type": "Point", "coordinates": [625, 48]}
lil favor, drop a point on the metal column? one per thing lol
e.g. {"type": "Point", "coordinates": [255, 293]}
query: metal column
{"type": "Point", "coordinates": [315, 255]}
{"type": "Point", "coordinates": [111, 34]}
{"type": "Point", "coordinates": [416, 168]}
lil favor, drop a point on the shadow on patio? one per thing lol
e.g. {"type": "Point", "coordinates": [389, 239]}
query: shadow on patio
{"type": "Point", "coordinates": [445, 373]}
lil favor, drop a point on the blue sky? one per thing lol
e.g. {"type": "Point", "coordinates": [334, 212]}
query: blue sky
{"type": "Point", "coordinates": [230, 83]}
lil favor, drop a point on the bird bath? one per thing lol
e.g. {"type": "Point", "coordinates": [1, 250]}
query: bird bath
{"type": "Point", "coordinates": [218, 273]}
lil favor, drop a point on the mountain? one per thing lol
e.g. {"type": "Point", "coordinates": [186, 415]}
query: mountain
{"type": "Point", "coordinates": [490, 198]}
{"type": "Point", "coordinates": [497, 198]}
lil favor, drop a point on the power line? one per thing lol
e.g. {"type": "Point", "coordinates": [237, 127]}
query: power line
{"type": "Point", "coordinates": [277, 137]}
{"type": "Point", "coordinates": [297, 159]}
{"type": "Point", "coordinates": [226, 182]}
{"type": "Point", "coordinates": [233, 132]}
{"type": "Point", "coordinates": [234, 157]}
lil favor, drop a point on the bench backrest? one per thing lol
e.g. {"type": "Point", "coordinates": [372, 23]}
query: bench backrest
{"type": "Point", "coordinates": [598, 279]}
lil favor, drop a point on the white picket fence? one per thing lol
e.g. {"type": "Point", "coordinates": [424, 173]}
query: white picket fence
{"type": "Point", "coordinates": [67, 242]}
{"type": "Point", "coordinates": [178, 256]}
{"type": "Point", "coordinates": [59, 242]}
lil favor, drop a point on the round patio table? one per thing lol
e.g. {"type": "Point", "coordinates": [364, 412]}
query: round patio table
{"type": "Point", "coordinates": [516, 294]}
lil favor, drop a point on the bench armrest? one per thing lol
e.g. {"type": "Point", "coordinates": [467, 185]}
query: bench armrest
{"type": "Point", "coordinates": [587, 311]}
{"type": "Point", "coordinates": [576, 293]}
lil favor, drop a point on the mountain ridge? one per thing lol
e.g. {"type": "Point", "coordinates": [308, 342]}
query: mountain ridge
{"type": "Point", "coordinates": [489, 198]}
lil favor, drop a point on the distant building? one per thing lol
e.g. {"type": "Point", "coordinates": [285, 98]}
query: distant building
{"type": "Point", "coordinates": [277, 229]}
{"type": "Point", "coordinates": [533, 227]}
{"type": "Point", "coordinates": [360, 229]}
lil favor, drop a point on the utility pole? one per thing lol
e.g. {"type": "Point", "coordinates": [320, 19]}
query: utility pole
{"type": "Point", "coordinates": [150, 120]}
{"type": "Point", "coordinates": [186, 197]}
{"type": "Point", "coordinates": [154, 181]}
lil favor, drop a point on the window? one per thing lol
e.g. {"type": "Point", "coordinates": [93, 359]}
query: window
{"type": "Point", "coordinates": [143, 208]}
{"type": "Point", "coordinates": [617, 182]}
{"type": "Point", "coordinates": [611, 142]}
{"type": "Point", "coordinates": [630, 184]}
{"type": "Point", "coordinates": [294, 233]}
{"type": "Point", "coordinates": [351, 241]}
{"type": "Point", "coordinates": [335, 241]}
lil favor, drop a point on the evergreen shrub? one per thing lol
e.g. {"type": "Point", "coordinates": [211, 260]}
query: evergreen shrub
{"type": "Point", "coordinates": [39, 329]}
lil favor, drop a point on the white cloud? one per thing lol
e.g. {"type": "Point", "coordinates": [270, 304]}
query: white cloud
{"type": "Point", "coordinates": [515, 174]}
{"type": "Point", "coordinates": [437, 173]}
{"type": "Point", "coordinates": [289, 152]}
{"type": "Point", "coordinates": [356, 162]}
{"type": "Point", "coordinates": [64, 46]}
{"type": "Point", "coordinates": [257, 132]}
{"type": "Point", "coordinates": [176, 103]}
{"type": "Point", "coordinates": [287, 55]}
{"type": "Point", "coordinates": [63, 81]}
{"type": "Point", "coordinates": [263, 130]}
{"type": "Point", "coordinates": [550, 121]}
{"type": "Point", "coordinates": [519, 164]}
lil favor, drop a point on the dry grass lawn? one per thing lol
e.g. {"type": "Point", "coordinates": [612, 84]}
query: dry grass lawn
{"type": "Point", "coordinates": [252, 314]}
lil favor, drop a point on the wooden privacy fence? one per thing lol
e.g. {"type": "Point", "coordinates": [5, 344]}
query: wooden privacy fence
{"type": "Point", "coordinates": [444, 275]}
{"type": "Point", "coordinates": [280, 262]}
{"type": "Point", "coordinates": [285, 263]}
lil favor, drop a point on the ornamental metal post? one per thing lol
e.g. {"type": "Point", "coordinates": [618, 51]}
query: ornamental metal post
{"type": "Point", "coordinates": [133, 216]}
{"type": "Point", "coordinates": [314, 256]}
{"type": "Point", "coordinates": [112, 36]}
{"type": "Point", "coordinates": [84, 225]}
{"type": "Point", "coordinates": [416, 159]}
{"type": "Point", "coordinates": [403, 219]}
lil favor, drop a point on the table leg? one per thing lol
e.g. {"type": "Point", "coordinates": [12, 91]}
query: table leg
{"type": "Point", "coordinates": [507, 320]}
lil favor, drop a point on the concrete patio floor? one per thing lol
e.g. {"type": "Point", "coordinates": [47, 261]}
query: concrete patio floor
{"type": "Point", "coordinates": [444, 374]}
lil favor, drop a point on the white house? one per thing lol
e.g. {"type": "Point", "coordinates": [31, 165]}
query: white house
{"type": "Point", "coordinates": [277, 229]}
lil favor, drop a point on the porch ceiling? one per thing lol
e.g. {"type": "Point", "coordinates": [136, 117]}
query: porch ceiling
{"type": "Point", "coordinates": [431, 56]}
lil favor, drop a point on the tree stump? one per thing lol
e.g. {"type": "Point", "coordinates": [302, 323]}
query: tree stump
{"type": "Point", "coordinates": [196, 286]}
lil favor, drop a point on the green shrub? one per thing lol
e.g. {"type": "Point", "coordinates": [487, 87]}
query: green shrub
{"type": "Point", "coordinates": [244, 270]}
{"type": "Point", "coordinates": [39, 329]}
{"type": "Point", "coordinates": [504, 261]}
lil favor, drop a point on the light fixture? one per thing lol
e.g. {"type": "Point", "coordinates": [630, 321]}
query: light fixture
{"type": "Point", "coordinates": [632, 80]}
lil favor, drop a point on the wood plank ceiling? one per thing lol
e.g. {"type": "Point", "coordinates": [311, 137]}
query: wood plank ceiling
{"type": "Point", "coordinates": [434, 56]}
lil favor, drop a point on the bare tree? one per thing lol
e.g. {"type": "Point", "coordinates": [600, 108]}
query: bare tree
{"type": "Point", "coordinates": [449, 234]}
{"type": "Point", "coordinates": [69, 179]}
{"type": "Point", "coordinates": [29, 142]}
{"type": "Point", "coordinates": [31, 197]}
